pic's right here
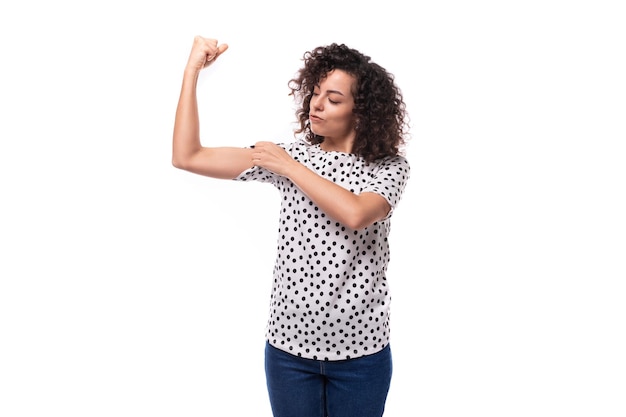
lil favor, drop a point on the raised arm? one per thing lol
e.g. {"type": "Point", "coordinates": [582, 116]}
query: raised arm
{"type": "Point", "coordinates": [187, 151]}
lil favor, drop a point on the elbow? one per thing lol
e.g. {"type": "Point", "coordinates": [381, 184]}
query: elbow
{"type": "Point", "coordinates": [182, 158]}
{"type": "Point", "coordinates": [177, 163]}
{"type": "Point", "coordinates": [360, 217]}
{"type": "Point", "coordinates": [180, 162]}
{"type": "Point", "coordinates": [357, 221]}
{"type": "Point", "coordinates": [357, 225]}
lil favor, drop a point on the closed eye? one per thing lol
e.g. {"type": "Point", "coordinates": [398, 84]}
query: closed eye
{"type": "Point", "coordinates": [315, 93]}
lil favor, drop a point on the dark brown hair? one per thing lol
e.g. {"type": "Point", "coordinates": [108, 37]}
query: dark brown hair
{"type": "Point", "coordinates": [382, 120]}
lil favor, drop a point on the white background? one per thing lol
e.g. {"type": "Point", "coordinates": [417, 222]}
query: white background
{"type": "Point", "coordinates": [130, 288]}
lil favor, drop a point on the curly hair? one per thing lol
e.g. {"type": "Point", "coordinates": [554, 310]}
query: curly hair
{"type": "Point", "coordinates": [382, 120]}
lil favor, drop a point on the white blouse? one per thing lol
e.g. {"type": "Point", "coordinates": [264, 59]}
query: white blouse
{"type": "Point", "coordinates": [330, 297]}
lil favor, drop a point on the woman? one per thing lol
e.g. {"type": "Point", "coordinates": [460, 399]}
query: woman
{"type": "Point", "coordinates": [327, 350]}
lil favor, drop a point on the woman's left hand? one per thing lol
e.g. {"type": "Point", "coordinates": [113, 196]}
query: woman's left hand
{"type": "Point", "coordinates": [270, 156]}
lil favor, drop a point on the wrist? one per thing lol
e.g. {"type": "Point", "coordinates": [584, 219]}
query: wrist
{"type": "Point", "coordinates": [191, 71]}
{"type": "Point", "coordinates": [295, 170]}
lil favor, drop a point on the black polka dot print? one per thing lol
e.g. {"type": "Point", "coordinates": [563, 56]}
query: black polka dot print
{"type": "Point", "coordinates": [330, 297]}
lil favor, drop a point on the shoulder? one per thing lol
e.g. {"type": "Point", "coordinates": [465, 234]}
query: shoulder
{"type": "Point", "coordinates": [398, 163]}
{"type": "Point", "coordinates": [300, 149]}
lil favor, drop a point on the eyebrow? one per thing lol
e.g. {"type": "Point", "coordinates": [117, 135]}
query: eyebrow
{"type": "Point", "coordinates": [331, 91]}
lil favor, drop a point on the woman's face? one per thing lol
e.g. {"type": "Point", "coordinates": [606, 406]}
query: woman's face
{"type": "Point", "coordinates": [331, 107]}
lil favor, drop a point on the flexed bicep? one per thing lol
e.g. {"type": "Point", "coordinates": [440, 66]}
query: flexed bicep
{"type": "Point", "coordinates": [218, 162]}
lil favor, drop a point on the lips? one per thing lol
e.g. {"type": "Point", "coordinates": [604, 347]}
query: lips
{"type": "Point", "coordinates": [313, 118]}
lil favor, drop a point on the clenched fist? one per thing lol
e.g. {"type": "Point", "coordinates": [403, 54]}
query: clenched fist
{"type": "Point", "coordinates": [204, 52]}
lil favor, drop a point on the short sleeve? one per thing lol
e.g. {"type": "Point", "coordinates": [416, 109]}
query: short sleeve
{"type": "Point", "coordinates": [390, 180]}
{"type": "Point", "coordinates": [259, 174]}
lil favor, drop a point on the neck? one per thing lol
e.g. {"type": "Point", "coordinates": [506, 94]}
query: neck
{"type": "Point", "coordinates": [330, 145]}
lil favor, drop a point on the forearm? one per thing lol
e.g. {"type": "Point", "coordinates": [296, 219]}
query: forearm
{"type": "Point", "coordinates": [186, 138]}
{"type": "Point", "coordinates": [346, 207]}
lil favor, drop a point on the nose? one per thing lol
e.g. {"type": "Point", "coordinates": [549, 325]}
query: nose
{"type": "Point", "coordinates": [316, 102]}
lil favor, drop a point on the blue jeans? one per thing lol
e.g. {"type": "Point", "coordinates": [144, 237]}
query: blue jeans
{"type": "Point", "coordinates": [300, 387]}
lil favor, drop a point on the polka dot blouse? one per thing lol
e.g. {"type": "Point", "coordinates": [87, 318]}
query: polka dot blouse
{"type": "Point", "coordinates": [330, 296]}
